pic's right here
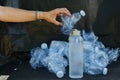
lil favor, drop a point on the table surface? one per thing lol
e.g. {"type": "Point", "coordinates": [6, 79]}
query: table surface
{"type": "Point", "coordinates": [23, 71]}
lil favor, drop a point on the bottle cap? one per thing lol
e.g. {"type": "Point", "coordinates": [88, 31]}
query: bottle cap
{"type": "Point", "coordinates": [60, 74]}
{"type": "Point", "coordinates": [105, 70]}
{"type": "Point", "coordinates": [82, 12]}
{"type": "Point", "coordinates": [76, 32]}
{"type": "Point", "coordinates": [44, 46]}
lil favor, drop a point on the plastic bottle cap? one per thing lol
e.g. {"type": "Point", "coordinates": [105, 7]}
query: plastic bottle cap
{"type": "Point", "coordinates": [44, 46]}
{"type": "Point", "coordinates": [75, 32]}
{"type": "Point", "coordinates": [105, 70]}
{"type": "Point", "coordinates": [82, 12]}
{"type": "Point", "coordinates": [60, 74]}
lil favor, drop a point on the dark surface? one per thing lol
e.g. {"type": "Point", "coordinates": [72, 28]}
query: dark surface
{"type": "Point", "coordinates": [25, 72]}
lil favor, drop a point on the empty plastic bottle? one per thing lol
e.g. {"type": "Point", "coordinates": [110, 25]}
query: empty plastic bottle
{"type": "Point", "coordinates": [96, 56]}
{"type": "Point", "coordinates": [37, 55]}
{"type": "Point", "coordinates": [56, 63]}
{"type": "Point", "coordinates": [58, 47]}
{"type": "Point", "coordinates": [69, 22]}
{"type": "Point", "coordinates": [44, 47]}
{"type": "Point", "coordinates": [75, 55]}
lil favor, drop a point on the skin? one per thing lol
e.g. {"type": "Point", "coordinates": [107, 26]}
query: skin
{"type": "Point", "coordinates": [9, 14]}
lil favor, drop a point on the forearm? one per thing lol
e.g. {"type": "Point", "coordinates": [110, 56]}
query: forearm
{"type": "Point", "coordinates": [8, 14]}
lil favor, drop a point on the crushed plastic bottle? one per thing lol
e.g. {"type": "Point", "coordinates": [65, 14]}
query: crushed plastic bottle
{"type": "Point", "coordinates": [36, 58]}
{"type": "Point", "coordinates": [95, 60]}
{"type": "Point", "coordinates": [69, 22]}
{"type": "Point", "coordinates": [52, 59]}
{"type": "Point", "coordinates": [58, 47]}
{"type": "Point", "coordinates": [56, 63]}
{"type": "Point", "coordinates": [38, 54]}
{"type": "Point", "coordinates": [96, 56]}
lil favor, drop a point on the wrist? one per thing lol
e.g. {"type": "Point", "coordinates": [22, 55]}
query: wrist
{"type": "Point", "coordinates": [40, 15]}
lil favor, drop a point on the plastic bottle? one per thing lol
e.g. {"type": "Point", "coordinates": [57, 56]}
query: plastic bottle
{"type": "Point", "coordinates": [75, 55]}
{"type": "Point", "coordinates": [58, 47]}
{"type": "Point", "coordinates": [69, 22]}
{"type": "Point", "coordinates": [37, 56]}
{"type": "Point", "coordinates": [56, 63]}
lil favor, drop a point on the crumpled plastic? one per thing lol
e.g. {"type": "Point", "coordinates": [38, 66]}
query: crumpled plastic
{"type": "Point", "coordinates": [52, 59]}
{"type": "Point", "coordinates": [96, 56]}
{"type": "Point", "coordinates": [69, 22]}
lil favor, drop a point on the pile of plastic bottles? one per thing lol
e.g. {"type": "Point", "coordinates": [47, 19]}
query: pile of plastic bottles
{"type": "Point", "coordinates": [52, 58]}
{"type": "Point", "coordinates": [55, 58]}
{"type": "Point", "coordinates": [96, 56]}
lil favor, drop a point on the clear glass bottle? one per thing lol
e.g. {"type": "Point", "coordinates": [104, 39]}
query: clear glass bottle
{"type": "Point", "coordinates": [75, 55]}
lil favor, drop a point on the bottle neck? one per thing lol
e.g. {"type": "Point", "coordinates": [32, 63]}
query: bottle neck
{"type": "Point", "coordinates": [75, 38]}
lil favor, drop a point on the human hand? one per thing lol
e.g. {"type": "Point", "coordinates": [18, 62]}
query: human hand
{"type": "Point", "coordinates": [50, 16]}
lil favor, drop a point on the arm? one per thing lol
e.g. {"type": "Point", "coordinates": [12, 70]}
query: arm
{"type": "Point", "coordinates": [8, 14]}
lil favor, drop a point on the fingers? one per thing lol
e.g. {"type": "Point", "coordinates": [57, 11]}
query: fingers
{"type": "Point", "coordinates": [54, 13]}
{"type": "Point", "coordinates": [61, 11]}
{"type": "Point", "coordinates": [57, 23]}
{"type": "Point", "coordinates": [64, 11]}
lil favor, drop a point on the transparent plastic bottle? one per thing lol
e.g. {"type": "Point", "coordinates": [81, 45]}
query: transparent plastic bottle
{"type": "Point", "coordinates": [69, 22]}
{"type": "Point", "coordinates": [75, 55]}
{"type": "Point", "coordinates": [58, 47]}
{"type": "Point", "coordinates": [57, 64]}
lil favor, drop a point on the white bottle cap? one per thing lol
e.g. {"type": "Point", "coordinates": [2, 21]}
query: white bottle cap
{"type": "Point", "coordinates": [82, 12]}
{"type": "Point", "coordinates": [60, 74]}
{"type": "Point", "coordinates": [75, 32]}
{"type": "Point", "coordinates": [44, 46]}
{"type": "Point", "coordinates": [105, 70]}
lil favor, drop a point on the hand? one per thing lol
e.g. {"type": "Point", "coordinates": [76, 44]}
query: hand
{"type": "Point", "coordinates": [50, 16]}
